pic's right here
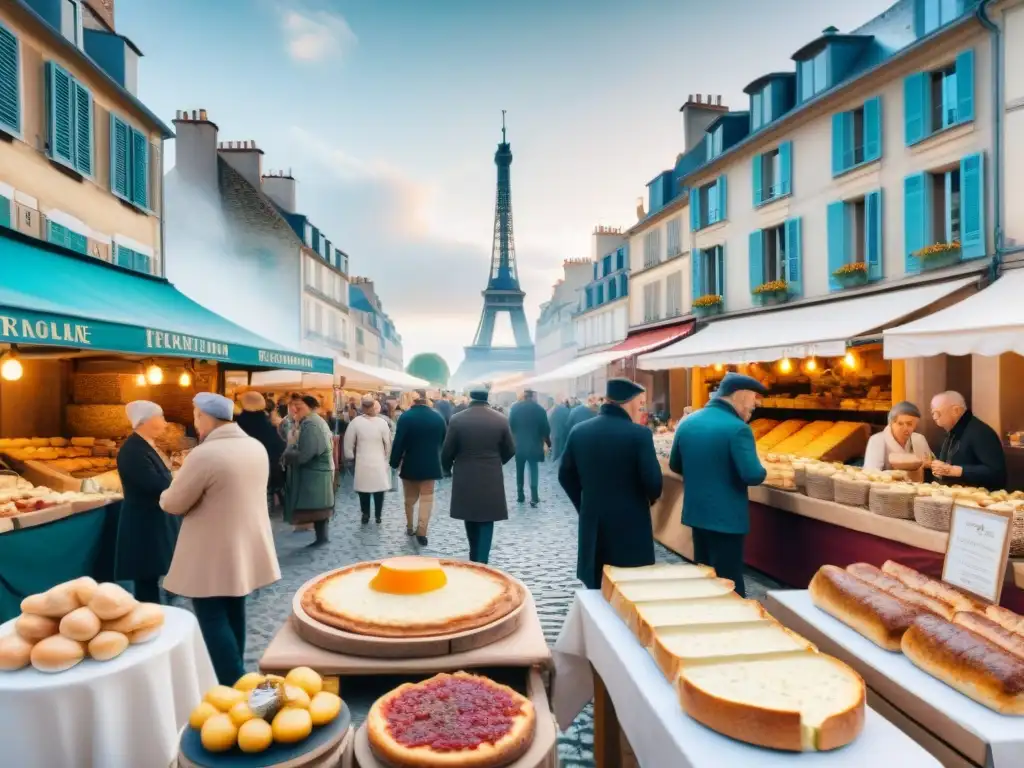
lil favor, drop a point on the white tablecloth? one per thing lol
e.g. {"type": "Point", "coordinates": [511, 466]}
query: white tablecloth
{"type": "Point", "coordinates": [648, 708]}
{"type": "Point", "coordinates": [123, 713]}
{"type": "Point", "coordinates": [1003, 734]}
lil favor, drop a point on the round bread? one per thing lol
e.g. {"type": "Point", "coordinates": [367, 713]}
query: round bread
{"type": "Point", "coordinates": [56, 654]}
{"type": "Point", "coordinates": [15, 652]}
{"type": "Point", "coordinates": [144, 635]}
{"type": "Point", "coordinates": [107, 645]}
{"type": "Point", "coordinates": [35, 628]}
{"type": "Point", "coordinates": [81, 625]}
{"type": "Point", "coordinates": [85, 588]}
{"type": "Point", "coordinates": [55, 603]}
{"type": "Point", "coordinates": [111, 601]}
{"type": "Point", "coordinates": [143, 616]}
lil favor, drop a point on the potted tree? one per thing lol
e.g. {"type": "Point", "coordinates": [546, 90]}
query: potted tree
{"type": "Point", "coordinates": [707, 305]}
{"type": "Point", "coordinates": [852, 274]}
{"type": "Point", "coordinates": [772, 292]}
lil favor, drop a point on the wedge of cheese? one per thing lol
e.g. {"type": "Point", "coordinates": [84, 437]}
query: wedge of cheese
{"type": "Point", "coordinates": [628, 593]}
{"type": "Point", "coordinates": [612, 575]}
{"type": "Point", "coordinates": [677, 647]}
{"type": "Point", "coordinates": [800, 702]}
{"type": "Point", "coordinates": [650, 617]}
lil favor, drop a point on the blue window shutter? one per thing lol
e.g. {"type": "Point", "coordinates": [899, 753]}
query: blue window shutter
{"type": "Point", "coordinates": [794, 257]}
{"type": "Point", "coordinates": [915, 218]}
{"type": "Point", "coordinates": [720, 288]}
{"type": "Point", "coordinates": [873, 234]}
{"type": "Point", "coordinates": [10, 81]}
{"type": "Point", "coordinates": [837, 241]}
{"type": "Point", "coordinates": [6, 207]}
{"type": "Point", "coordinates": [838, 143]}
{"type": "Point", "coordinates": [119, 156]}
{"type": "Point", "coordinates": [786, 167]}
{"type": "Point", "coordinates": [59, 100]}
{"type": "Point", "coordinates": [872, 129]}
{"type": "Point", "coordinates": [965, 87]}
{"type": "Point", "coordinates": [755, 256]}
{"type": "Point", "coordinates": [694, 204]}
{"type": "Point", "coordinates": [915, 107]}
{"type": "Point", "coordinates": [723, 211]}
{"type": "Point", "coordinates": [972, 206]}
{"type": "Point", "coordinates": [83, 128]}
{"type": "Point", "coordinates": [919, 17]}
{"type": "Point", "coordinates": [757, 180]}
{"type": "Point", "coordinates": [78, 242]}
{"type": "Point", "coordinates": [696, 273]}
{"type": "Point", "coordinates": [125, 257]}
{"type": "Point", "coordinates": [56, 234]}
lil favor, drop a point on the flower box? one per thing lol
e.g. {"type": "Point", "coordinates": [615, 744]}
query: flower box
{"type": "Point", "coordinates": [708, 310]}
{"type": "Point", "coordinates": [940, 260]}
{"type": "Point", "coordinates": [770, 298]}
{"type": "Point", "coordinates": [851, 279]}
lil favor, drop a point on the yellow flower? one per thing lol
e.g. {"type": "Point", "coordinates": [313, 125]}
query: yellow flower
{"type": "Point", "coordinates": [708, 300]}
{"type": "Point", "coordinates": [937, 249]}
{"type": "Point", "coordinates": [774, 286]}
{"type": "Point", "coordinates": [851, 269]}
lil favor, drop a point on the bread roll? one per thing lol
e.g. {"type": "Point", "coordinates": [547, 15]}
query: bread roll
{"type": "Point", "coordinates": [1005, 618]}
{"type": "Point", "coordinates": [85, 588]}
{"type": "Point", "coordinates": [111, 601]}
{"type": "Point", "coordinates": [144, 616]}
{"type": "Point", "coordinates": [877, 615]}
{"type": "Point", "coordinates": [81, 625]}
{"type": "Point", "coordinates": [896, 588]}
{"type": "Point", "coordinates": [35, 628]}
{"type": "Point", "coordinates": [55, 603]}
{"type": "Point", "coordinates": [967, 662]}
{"type": "Point", "coordinates": [15, 652]}
{"type": "Point", "coordinates": [107, 645]}
{"type": "Point", "coordinates": [931, 587]}
{"type": "Point", "coordinates": [991, 631]}
{"type": "Point", "coordinates": [56, 654]}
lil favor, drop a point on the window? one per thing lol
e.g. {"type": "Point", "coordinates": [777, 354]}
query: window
{"type": "Point", "coordinates": [858, 228]}
{"type": "Point", "coordinates": [590, 298]}
{"type": "Point", "coordinates": [606, 265]}
{"type": "Point", "coordinates": [600, 294]}
{"type": "Point", "coordinates": [613, 290]}
{"type": "Point", "coordinates": [331, 330]}
{"type": "Point", "coordinates": [709, 207]}
{"type": "Point", "coordinates": [715, 141]}
{"type": "Point", "coordinates": [10, 82]}
{"type": "Point", "coordinates": [855, 236]}
{"type": "Point", "coordinates": [595, 270]}
{"type": "Point", "coordinates": [937, 13]}
{"type": "Point", "coordinates": [71, 21]}
{"type": "Point", "coordinates": [129, 163]}
{"type": "Point", "coordinates": [857, 136]}
{"type": "Point", "coordinates": [130, 259]}
{"type": "Point", "coordinates": [652, 302]}
{"type": "Point", "coordinates": [674, 295]}
{"type": "Point", "coordinates": [620, 258]}
{"type": "Point", "coordinates": [756, 109]}
{"type": "Point", "coordinates": [652, 248]}
{"type": "Point", "coordinates": [813, 75]}
{"type": "Point", "coordinates": [939, 99]}
{"type": "Point", "coordinates": [318, 312]}
{"type": "Point", "coordinates": [58, 234]}
{"type": "Point", "coordinates": [307, 314]}
{"type": "Point", "coordinates": [360, 340]}
{"type": "Point", "coordinates": [69, 117]}
{"type": "Point", "coordinates": [772, 174]}
{"type": "Point", "coordinates": [946, 205]}
{"type": "Point", "coordinates": [774, 254]}
{"type": "Point", "coordinates": [942, 93]}
{"type": "Point", "coordinates": [624, 285]}
{"type": "Point", "coordinates": [674, 235]}
{"type": "Point", "coordinates": [308, 236]}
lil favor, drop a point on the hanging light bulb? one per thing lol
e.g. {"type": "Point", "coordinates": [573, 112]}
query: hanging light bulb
{"type": "Point", "coordinates": [154, 375]}
{"type": "Point", "coordinates": [786, 366]}
{"type": "Point", "coordinates": [11, 368]}
{"type": "Point", "coordinates": [850, 361]}
{"type": "Point", "coordinates": [812, 365]}
{"type": "Point", "coordinates": [140, 380]}
{"type": "Point", "coordinates": [185, 380]}
{"type": "Point", "coordinates": [719, 367]}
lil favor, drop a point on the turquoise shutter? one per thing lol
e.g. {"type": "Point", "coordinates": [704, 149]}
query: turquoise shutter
{"type": "Point", "coordinates": [837, 241]}
{"type": "Point", "coordinates": [140, 169]}
{"type": "Point", "coordinates": [83, 128]}
{"type": "Point", "coordinates": [696, 274]}
{"type": "Point", "coordinates": [757, 180]}
{"type": "Point", "coordinates": [124, 257]}
{"type": "Point", "coordinates": [873, 234]}
{"type": "Point", "coordinates": [694, 209]}
{"type": "Point", "coordinates": [119, 156]}
{"type": "Point", "coordinates": [720, 287]}
{"type": "Point", "coordinates": [915, 107]}
{"type": "Point", "coordinates": [6, 211]}
{"type": "Point", "coordinates": [755, 256]}
{"type": "Point", "coordinates": [915, 218]}
{"type": "Point", "coordinates": [919, 18]}
{"type": "Point", "coordinates": [59, 100]}
{"type": "Point", "coordinates": [56, 234]}
{"type": "Point", "coordinates": [965, 87]}
{"type": "Point", "coordinates": [723, 211]}
{"type": "Point", "coordinates": [838, 143]}
{"type": "Point", "coordinates": [10, 81]}
{"type": "Point", "coordinates": [140, 263]}
{"type": "Point", "coordinates": [78, 242]}
{"type": "Point", "coordinates": [872, 129]}
{"type": "Point", "coordinates": [972, 206]}
{"type": "Point", "coordinates": [786, 167]}
{"type": "Point", "coordinates": [794, 257]}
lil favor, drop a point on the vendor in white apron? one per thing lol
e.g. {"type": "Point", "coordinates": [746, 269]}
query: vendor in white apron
{"type": "Point", "coordinates": [898, 437]}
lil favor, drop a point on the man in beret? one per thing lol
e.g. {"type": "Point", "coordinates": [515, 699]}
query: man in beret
{"type": "Point", "coordinates": [715, 452]}
{"type": "Point", "coordinates": [611, 473]}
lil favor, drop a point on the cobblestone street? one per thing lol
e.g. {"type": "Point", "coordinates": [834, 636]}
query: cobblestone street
{"type": "Point", "coordinates": [537, 546]}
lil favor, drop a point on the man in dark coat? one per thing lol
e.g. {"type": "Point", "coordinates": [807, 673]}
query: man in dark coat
{"type": "Point", "coordinates": [416, 453]}
{"type": "Point", "coordinates": [714, 451]}
{"type": "Point", "coordinates": [444, 407]}
{"type": "Point", "coordinates": [478, 444]}
{"type": "Point", "coordinates": [972, 453]}
{"type": "Point", "coordinates": [255, 422]}
{"type": "Point", "coordinates": [558, 417]}
{"type": "Point", "coordinates": [530, 428]}
{"type": "Point", "coordinates": [611, 473]}
{"type": "Point", "coordinates": [580, 414]}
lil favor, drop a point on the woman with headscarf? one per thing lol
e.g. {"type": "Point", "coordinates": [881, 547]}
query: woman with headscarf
{"type": "Point", "coordinates": [145, 534]}
{"type": "Point", "coordinates": [309, 488]}
{"type": "Point", "coordinates": [255, 423]}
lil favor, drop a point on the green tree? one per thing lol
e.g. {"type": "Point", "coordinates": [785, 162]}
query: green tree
{"type": "Point", "coordinates": [429, 366]}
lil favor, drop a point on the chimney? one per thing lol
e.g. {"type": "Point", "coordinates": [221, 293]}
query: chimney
{"type": "Point", "coordinates": [195, 149]}
{"type": "Point", "coordinates": [281, 187]}
{"type": "Point", "coordinates": [245, 157]}
{"type": "Point", "coordinates": [698, 114]}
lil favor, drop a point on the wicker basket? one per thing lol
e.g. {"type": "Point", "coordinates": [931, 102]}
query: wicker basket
{"type": "Point", "coordinates": [800, 474]}
{"type": "Point", "coordinates": [1017, 534]}
{"type": "Point", "coordinates": [853, 493]}
{"type": "Point", "coordinates": [889, 501]}
{"type": "Point", "coordinates": [934, 512]}
{"type": "Point", "coordinates": [819, 486]}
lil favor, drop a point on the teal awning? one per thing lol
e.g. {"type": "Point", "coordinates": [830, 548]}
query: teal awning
{"type": "Point", "coordinates": [63, 300]}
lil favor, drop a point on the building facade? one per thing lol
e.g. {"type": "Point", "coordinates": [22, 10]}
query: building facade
{"type": "Point", "coordinates": [376, 340]}
{"type": "Point", "coordinates": [1009, 16]}
{"type": "Point", "coordinates": [555, 332]}
{"type": "Point", "coordinates": [602, 315]}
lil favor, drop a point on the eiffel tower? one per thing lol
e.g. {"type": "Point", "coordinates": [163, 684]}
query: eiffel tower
{"type": "Point", "coordinates": [503, 293]}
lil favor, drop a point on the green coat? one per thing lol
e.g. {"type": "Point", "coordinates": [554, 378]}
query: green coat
{"type": "Point", "coordinates": [310, 462]}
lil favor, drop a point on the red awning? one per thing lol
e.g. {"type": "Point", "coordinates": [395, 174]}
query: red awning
{"type": "Point", "coordinates": [642, 342]}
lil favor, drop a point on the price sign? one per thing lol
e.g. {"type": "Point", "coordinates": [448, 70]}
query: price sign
{"type": "Point", "coordinates": [976, 553]}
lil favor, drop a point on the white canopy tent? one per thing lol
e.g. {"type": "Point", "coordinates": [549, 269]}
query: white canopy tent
{"type": "Point", "coordinates": [581, 366]}
{"type": "Point", "coordinates": [281, 380]}
{"type": "Point", "coordinates": [360, 375]}
{"type": "Point", "coordinates": [989, 323]}
{"type": "Point", "coordinates": [814, 330]}
{"type": "Point", "coordinates": [501, 382]}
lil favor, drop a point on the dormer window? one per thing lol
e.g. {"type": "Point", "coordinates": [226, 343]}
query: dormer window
{"type": "Point", "coordinates": [938, 13]}
{"type": "Point", "coordinates": [71, 21]}
{"type": "Point", "coordinates": [813, 74]}
{"type": "Point", "coordinates": [761, 108]}
{"type": "Point", "coordinates": [715, 142]}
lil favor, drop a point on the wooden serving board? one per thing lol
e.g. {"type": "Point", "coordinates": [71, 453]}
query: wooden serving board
{"type": "Point", "coordinates": [340, 641]}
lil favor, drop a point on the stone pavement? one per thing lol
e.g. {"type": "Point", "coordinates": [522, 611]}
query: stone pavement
{"type": "Point", "coordinates": [537, 546]}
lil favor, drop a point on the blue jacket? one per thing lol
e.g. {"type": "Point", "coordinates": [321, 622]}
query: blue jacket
{"type": "Point", "coordinates": [530, 429]}
{"type": "Point", "coordinates": [578, 415]}
{"type": "Point", "coordinates": [611, 473]}
{"type": "Point", "coordinates": [714, 451]}
{"type": "Point", "coordinates": [417, 445]}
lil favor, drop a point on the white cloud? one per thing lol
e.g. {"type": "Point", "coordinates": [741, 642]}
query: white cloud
{"type": "Point", "coordinates": [316, 35]}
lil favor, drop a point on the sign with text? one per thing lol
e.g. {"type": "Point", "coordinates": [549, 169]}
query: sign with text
{"type": "Point", "coordinates": [979, 543]}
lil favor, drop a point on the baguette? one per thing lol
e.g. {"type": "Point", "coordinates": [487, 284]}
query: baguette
{"type": "Point", "coordinates": [897, 588]}
{"type": "Point", "coordinates": [967, 662]}
{"type": "Point", "coordinates": [875, 614]}
{"type": "Point", "coordinates": [931, 587]}
{"type": "Point", "coordinates": [991, 631]}
{"type": "Point", "coordinates": [1005, 618]}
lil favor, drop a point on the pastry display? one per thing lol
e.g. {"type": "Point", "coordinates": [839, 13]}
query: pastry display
{"type": "Point", "coordinates": [458, 720]}
{"type": "Point", "coordinates": [781, 432]}
{"type": "Point", "coordinates": [80, 457]}
{"type": "Point", "coordinates": [411, 597]}
{"type": "Point", "coordinates": [648, 618]}
{"type": "Point", "coordinates": [76, 620]}
{"type": "Point", "coordinates": [19, 497]}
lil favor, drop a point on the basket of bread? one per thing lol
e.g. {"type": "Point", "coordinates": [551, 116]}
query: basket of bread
{"type": "Point", "coordinates": [818, 481]}
{"type": "Point", "coordinates": [851, 488]}
{"type": "Point", "coordinates": [894, 500]}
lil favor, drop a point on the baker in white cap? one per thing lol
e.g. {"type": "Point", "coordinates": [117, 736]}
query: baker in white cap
{"type": "Point", "coordinates": [225, 549]}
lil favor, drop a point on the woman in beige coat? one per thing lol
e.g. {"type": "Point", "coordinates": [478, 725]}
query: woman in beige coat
{"type": "Point", "coordinates": [225, 548]}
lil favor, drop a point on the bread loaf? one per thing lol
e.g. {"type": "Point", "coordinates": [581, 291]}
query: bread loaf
{"type": "Point", "coordinates": [107, 645]}
{"type": "Point", "coordinates": [627, 593]}
{"type": "Point", "coordinates": [931, 587]}
{"type": "Point", "coordinates": [613, 575]}
{"type": "Point", "coordinates": [84, 588]}
{"type": "Point", "coordinates": [676, 613]}
{"type": "Point", "coordinates": [1005, 618]}
{"type": "Point", "coordinates": [35, 628]}
{"type": "Point", "coordinates": [991, 631]}
{"type": "Point", "coordinates": [876, 578]}
{"type": "Point", "coordinates": [877, 615]}
{"type": "Point", "coordinates": [55, 603]}
{"type": "Point", "coordinates": [81, 625]}
{"type": "Point", "coordinates": [15, 652]}
{"type": "Point", "coordinates": [111, 601]}
{"type": "Point", "coordinates": [967, 662]}
{"type": "Point", "coordinates": [56, 654]}
{"type": "Point", "coordinates": [140, 624]}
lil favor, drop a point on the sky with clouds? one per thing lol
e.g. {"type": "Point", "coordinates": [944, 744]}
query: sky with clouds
{"type": "Point", "coordinates": [388, 113]}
